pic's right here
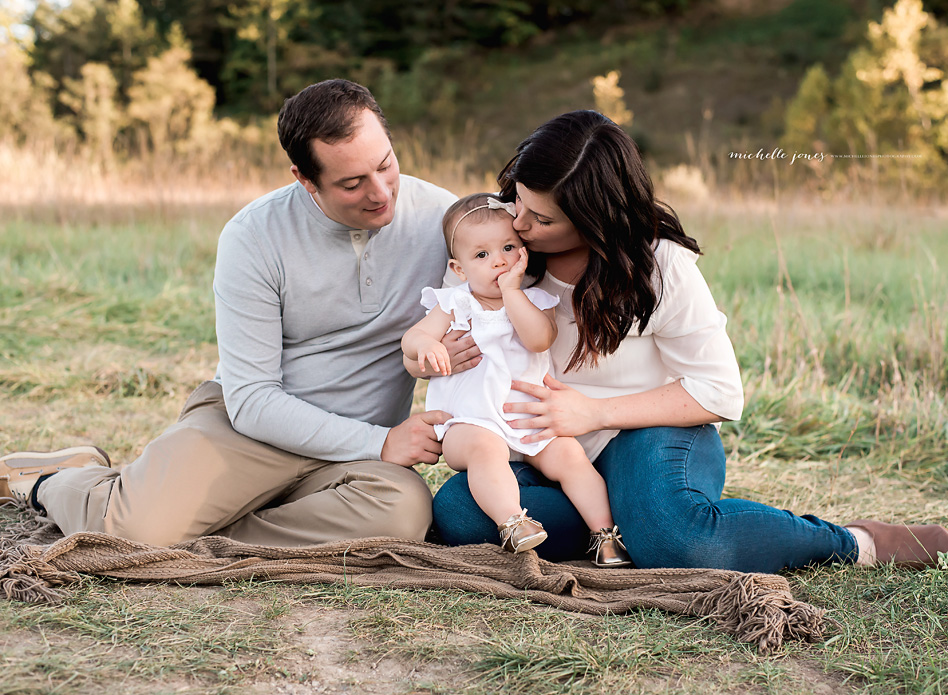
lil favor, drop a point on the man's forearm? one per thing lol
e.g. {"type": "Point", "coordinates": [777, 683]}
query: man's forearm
{"type": "Point", "coordinates": [272, 416]}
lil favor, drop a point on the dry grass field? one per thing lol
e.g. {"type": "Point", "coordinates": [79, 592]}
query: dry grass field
{"type": "Point", "coordinates": [837, 313]}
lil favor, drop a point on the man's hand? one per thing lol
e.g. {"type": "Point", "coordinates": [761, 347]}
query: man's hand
{"type": "Point", "coordinates": [414, 440]}
{"type": "Point", "coordinates": [462, 350]}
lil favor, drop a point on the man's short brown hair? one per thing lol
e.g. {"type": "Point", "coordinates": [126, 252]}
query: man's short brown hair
{"type": "Point", "coordinates": [327, 111]}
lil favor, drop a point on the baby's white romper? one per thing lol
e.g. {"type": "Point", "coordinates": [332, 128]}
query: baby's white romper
{"type": "Point", "coordinates": [477, 396]}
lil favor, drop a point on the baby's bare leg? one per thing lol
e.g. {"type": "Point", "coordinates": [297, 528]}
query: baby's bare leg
{"type": "Point", "coordinates": [485, 457]}
{"type": "Point", "coordinates": [564, 461]}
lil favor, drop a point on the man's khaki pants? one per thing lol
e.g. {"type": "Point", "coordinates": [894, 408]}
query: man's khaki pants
{"type": "Point", "coordinates": [201, 477]}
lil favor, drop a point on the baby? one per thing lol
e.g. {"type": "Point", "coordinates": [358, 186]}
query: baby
{"type": "Point", "coordinates": [513, 328]}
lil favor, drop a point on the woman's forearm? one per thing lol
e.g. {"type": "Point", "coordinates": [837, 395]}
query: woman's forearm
{"type": "Point", "coordinates": [562, 411]}
{"type": "Point", "coordinates": [665, 406]}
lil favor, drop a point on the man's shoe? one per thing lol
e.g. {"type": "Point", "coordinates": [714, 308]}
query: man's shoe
{"type": "Point", "coordinates": [906, 546]}
{"type": "Point", "coordinates": [20, 471]}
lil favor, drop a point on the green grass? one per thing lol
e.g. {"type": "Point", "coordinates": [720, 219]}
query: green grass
{"type": "Point", "coordinates": [136, 284]}
{"type": "Point", "coordinates": [836, 314]}
{"type": "Point", "coordinates": [888, 638]}
{"type": "Point", "coordinates": [120, 633]}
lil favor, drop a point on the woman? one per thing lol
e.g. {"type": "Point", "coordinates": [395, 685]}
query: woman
{"type": "Point", "coordinates": [645, 370]}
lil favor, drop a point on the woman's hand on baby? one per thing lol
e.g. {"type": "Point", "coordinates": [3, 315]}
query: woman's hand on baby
{"type": "Point", "coordinates": [513, 278]}
{"type": "Point", "coordinates": [559, 411]}
{"type": "Point", "coordinates": [436, 355]}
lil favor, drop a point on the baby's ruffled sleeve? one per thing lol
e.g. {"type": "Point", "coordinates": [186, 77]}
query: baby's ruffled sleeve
{"type": "Point", "coordinates": [541, 299]}
{"type": "Point", "coordinates": [453, 301]}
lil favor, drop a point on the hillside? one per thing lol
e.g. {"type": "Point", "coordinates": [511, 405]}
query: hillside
{"type": "Point", "coordinates": [713, 79]}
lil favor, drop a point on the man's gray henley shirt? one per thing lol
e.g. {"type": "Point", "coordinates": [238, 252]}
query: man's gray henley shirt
{"type": "Point", "coordinates": [309, 321]}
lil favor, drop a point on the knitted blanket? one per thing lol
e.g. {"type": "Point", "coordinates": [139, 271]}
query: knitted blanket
{"type": "Point", "coordinates": [37, 563]}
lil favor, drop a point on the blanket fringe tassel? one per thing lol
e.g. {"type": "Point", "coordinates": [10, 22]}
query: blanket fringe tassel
{"type": "Point", "coordinates": [24, 576]}
{"type": "Point", "coordinates": [755, 613]}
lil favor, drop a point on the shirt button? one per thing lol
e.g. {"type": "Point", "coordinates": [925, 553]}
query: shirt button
{"type": "Point", "coordinates": [365, 257]}
{"type": "Point", "coordinates": [368, 282]}
{"type": "Point", "coordinates": [357, 237]}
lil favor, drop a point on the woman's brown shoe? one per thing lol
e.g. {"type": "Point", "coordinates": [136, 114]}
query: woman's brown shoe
{"type": "Point", "coordinates": [520, 533]}
{"type": "Point", "coordinates": [607, 548]}
{"type": "Point", "coordinates": [906, 546]}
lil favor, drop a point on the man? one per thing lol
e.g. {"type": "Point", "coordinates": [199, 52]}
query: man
{"type": "Point", "coordinates": [304, 435]}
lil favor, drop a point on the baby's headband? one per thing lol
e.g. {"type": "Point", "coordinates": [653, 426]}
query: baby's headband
{"type": "Point", "coordinates": [492, 204]}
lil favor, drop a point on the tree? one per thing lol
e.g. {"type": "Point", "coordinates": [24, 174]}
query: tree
{"type": "Point", "coordinates": [895, 45]}
{"type": "Point", "coordinates": [98, 116]}
{"type": "Point", "coordinates": [261, 23]}
{"type": "Point", "coordinates": [132, 34]}
{"type": "Point", "coordinates": [110, 32]}
{"type": "Point", "coordinates": [610, 98]}
{"type": "Point", "coordinates": [67, 37]}
{"type": "Point", "coordinates": [172, 104]}
{"type": "Point", "coordinates": [25, 112]}
{"type": "Point", "coordinates": [889, 102]}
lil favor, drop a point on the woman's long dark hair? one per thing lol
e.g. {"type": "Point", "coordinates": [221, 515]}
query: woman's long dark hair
{"type": "Point", "coordinates": [594, 172]}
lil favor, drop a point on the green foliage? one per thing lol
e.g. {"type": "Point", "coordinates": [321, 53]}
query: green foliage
{"type": "Point", "coordinates": [112, 32]}
{"type": "Point", "coordinates": [25, 106]}
{"type": "Point", "coordinates": [802, 33]}
{"type": "Point", "coordinates": [256, 52]}
{"type": "Point", "coordinates": [939, 8]}
{"type": "Point", "coordinates": [262, 24]}
{"type": "Point", "coordinates": [275, 44]}
{"type": "Point", "coordinates": [436, 67]}
{"type": "Point", "coordinates": [132, 33]}
{"type": "Point", "coordinates": [426, 92]}
{"type": "Point", "coordinates": [807, 110]}
{"type": "Point", "coordinates": [98, 116]}
{"type": "Point", "coordinates": [25, 109]}
{"type": "Point", "coordinates": [278, 47]}
{"type": "Point", "coordinates": [889, 102]}
{"type": "Point", "coordinates": [174, 105]}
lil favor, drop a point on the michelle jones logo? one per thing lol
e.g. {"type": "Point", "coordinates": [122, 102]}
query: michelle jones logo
{"type": "Point", "coordinates": [778, 153]}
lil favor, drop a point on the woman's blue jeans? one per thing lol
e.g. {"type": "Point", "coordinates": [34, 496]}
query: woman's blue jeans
{"type": "Point", "coordinates": [665, 488]}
